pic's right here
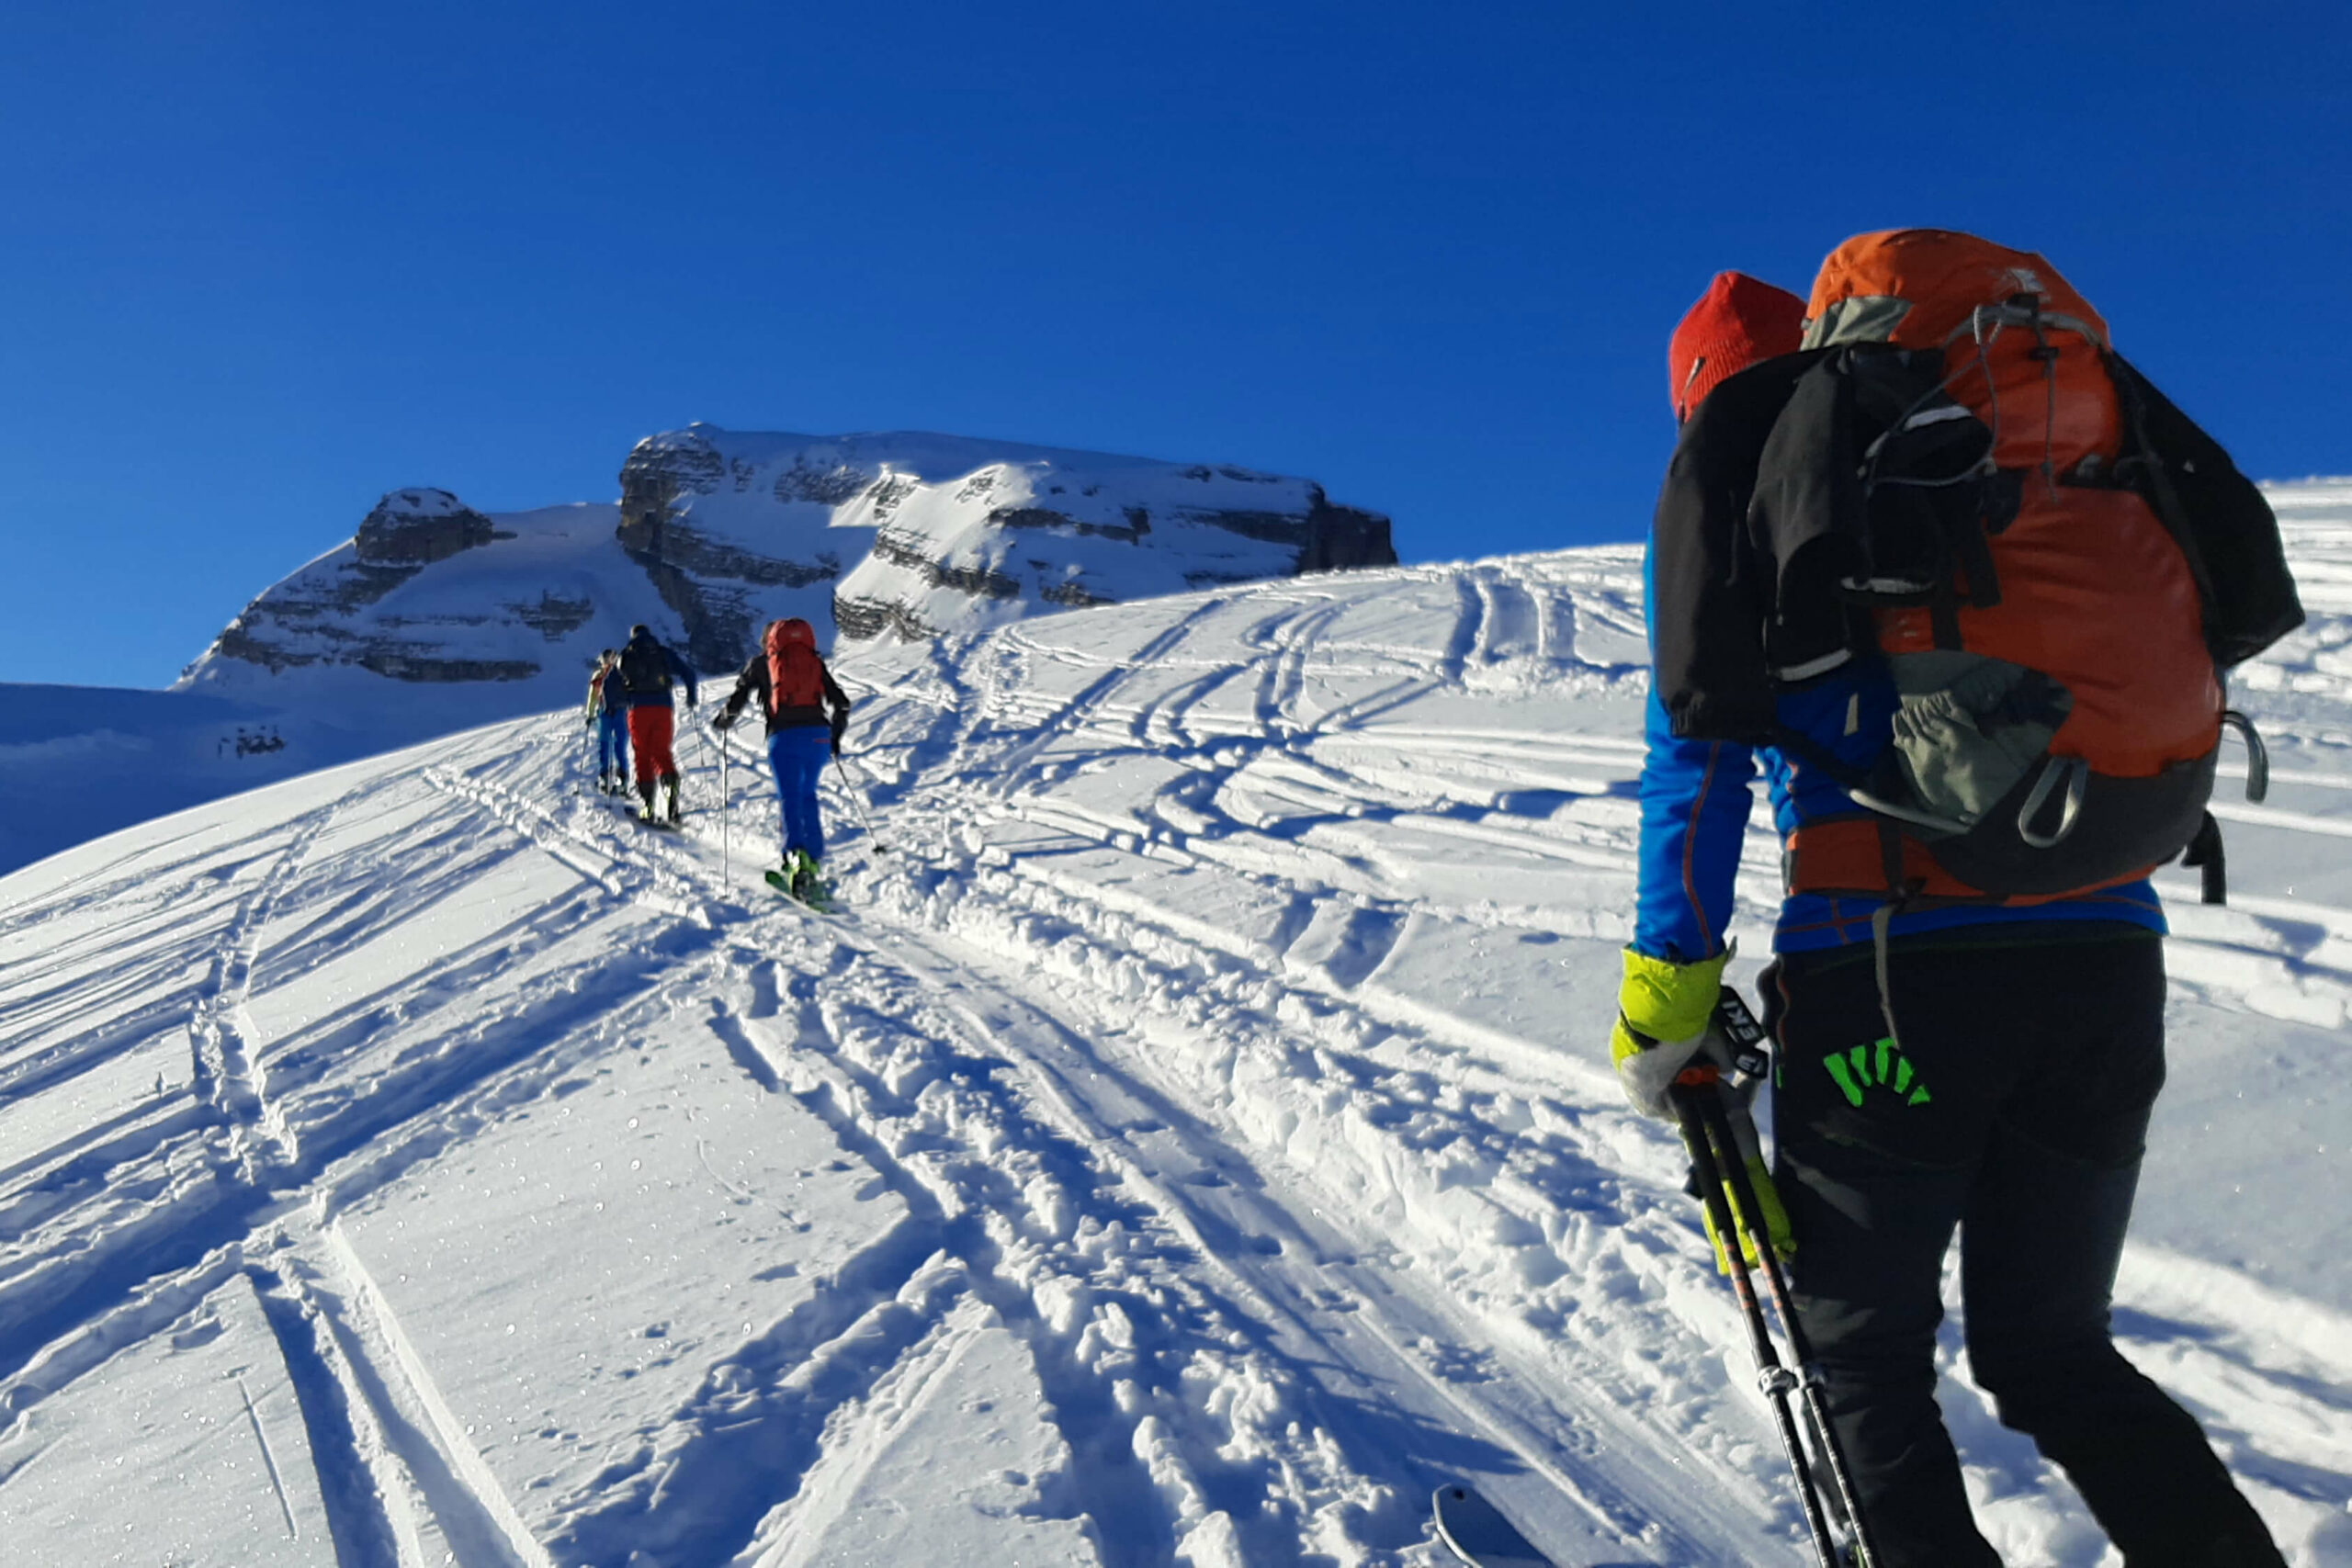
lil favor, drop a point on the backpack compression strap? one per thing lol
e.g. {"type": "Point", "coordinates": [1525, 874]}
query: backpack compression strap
{"type": "Point", "coordinates": [1849, 856]}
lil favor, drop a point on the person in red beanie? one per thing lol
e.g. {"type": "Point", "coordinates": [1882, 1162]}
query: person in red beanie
{"type": "Point", "coordinates": [2015, 1102]}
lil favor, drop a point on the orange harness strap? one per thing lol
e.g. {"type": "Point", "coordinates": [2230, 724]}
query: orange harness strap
{"type": "Point", "coordinates": [1848, 856]}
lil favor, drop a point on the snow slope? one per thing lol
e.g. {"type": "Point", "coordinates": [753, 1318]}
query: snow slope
{"type": "Point", "coordinates": [77, 762]}
{"type": "Point", "coordinates": [1190, 1145]}
{"type": "Point", "coordinates": [539, 601]}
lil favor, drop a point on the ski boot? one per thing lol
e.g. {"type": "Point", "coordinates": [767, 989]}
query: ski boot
{"type": "Point", "coordinates": [786, 877]}
{"type": "Point", "coordinates": [674, 815]}
{"type": "Point", "coordinates": [799, 878]}
{"type": "Point", "coordinates": [808, 881]}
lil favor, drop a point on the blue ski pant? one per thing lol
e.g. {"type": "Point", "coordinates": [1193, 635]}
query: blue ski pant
{"type": "Point", "coordinates": [798, 757]}
{"type": "Point", "coordinates": [612, 743]}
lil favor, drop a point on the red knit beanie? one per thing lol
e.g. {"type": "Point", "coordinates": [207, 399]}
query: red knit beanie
{"type": "Point", "coordinates": [1737, 321]}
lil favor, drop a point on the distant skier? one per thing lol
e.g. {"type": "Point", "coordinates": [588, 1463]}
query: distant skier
{"type": "Point", "coordinates": [646, 669]}
{"type": "Point", "coordinates": [607, 712]}
{"type": "Point", "coordinates": [806, 716]}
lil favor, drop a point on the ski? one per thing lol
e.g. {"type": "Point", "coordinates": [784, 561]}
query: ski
{"type": "Point", "coordinates": [1475, 1531]}
{"type": "Point", "coordinates": [823, 904]}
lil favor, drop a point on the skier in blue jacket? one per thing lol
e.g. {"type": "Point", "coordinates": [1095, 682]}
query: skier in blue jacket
{"type": "Point", "coordinates": [2015, 1100]}
{"type": "Point", "coordinates": [607, 710]}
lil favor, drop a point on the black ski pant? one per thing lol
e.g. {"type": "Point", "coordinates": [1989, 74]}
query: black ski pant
{"type": "Point", "coordinates": [2011, 1102]}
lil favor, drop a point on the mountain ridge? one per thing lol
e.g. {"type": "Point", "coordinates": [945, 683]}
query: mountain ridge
{"type": "Point", "coordinates": [891, 535]}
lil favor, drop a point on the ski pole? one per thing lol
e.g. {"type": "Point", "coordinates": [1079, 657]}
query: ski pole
{"type": "Point", "coordinates": [859, 801]}
{"type": "Point", "coordinates": [726, 811]}
{"type": "Point", "coordinates": [1690, 1091]}
{"type": "Point", "coordinates": [706, 753]}
{"type": "Point", "coordinates": [1776, 1282]}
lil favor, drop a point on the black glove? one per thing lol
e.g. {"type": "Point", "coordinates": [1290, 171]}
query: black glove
{"type": "Point", "coordinates": [837, 745]}
{"type": "Point", "coordinates": [722, 720]}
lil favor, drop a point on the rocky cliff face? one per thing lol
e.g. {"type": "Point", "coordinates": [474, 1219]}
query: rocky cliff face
{"type": "Point", "coordinates": [715, 530]}
{"type": "Point", "coordinates": [413, 528]}
{"type": "Point", "coordinates": [942, 532]}
{"type": "Point", "coordinates": [477, 616]}
{"type": "Point", "coordinates": [325, 613]}
{"type": "Point", "coordinates": [898, 535]}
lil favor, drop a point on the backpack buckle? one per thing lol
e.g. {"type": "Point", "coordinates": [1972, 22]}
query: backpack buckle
{"type": "Point", "coordinates": [2257, 755]}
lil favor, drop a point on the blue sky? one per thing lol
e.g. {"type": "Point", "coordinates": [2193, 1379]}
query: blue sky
{"type": "Point", "coordinates": [265, 262]}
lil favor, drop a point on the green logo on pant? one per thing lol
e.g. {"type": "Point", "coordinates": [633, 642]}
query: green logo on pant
{"type": "Point", "coordinates": [1882, 1066]}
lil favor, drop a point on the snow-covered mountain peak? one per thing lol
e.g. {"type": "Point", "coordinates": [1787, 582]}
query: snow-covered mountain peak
{"type": "Point", "coordinates": [916, 533]}
{"type": "Point", "coordinates": [436, 614]}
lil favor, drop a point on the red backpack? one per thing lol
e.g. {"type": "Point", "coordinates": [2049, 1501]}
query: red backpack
{"type": "Point", "coordinates": [795, 675]}
{"type": "Point", "coordinates": [2057, 613]}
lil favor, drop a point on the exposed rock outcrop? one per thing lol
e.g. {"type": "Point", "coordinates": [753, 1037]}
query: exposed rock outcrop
{"type": "Point", "coordinates": [939, 531]}
{"type": "Point", "coordinates": [1036, 528]}
{"type": "Point", "coordinates": [705, 577]}
{"type": "Point", "coordinates": [304, 620]}
{"type": "Point", "coordinates": [430, 592]}
{"type": "Point", "coordinates": [413, 528]}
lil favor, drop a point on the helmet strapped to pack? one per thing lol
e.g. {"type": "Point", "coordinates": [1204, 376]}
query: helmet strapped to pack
{"type": "Point", "coordinates": [2049, 620]}
{"type": "Point", "coordinates": [795, 675]}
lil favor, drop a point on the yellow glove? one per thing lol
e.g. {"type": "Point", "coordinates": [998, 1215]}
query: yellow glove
{"type": "Point", "coordinates": [1664, 1011]}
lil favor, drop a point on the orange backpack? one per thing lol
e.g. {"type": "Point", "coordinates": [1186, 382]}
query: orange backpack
{"type": "Point", "coordinates": [795, 675]}
{"type": "Point", "coordinates": [2045, 600]}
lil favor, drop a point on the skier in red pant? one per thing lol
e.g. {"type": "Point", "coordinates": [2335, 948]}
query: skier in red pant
{"type": "Point", "coordinates": [647, 670]}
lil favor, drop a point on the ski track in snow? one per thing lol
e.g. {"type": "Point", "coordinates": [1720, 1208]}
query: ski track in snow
{"type": "Point", "coordinates": [1189, 1143]}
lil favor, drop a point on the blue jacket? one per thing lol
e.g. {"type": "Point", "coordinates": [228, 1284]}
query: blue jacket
{"type": "Point", "coordinates": [1696, 796]}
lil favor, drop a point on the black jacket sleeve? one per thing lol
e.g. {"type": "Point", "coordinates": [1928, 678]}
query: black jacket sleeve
{"type": "Point", "coordinates": [2221, 520]}
{"type": "Point", "coordinates": [753, 678]}
{"type": "Point", "coordinates": [836, 701]}
{"type": "Point", "coordinates": [1709, 587]}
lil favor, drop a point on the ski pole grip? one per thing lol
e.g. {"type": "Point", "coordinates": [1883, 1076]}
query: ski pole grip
{"type": "Point", "coordinates": [1751, 1057]}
